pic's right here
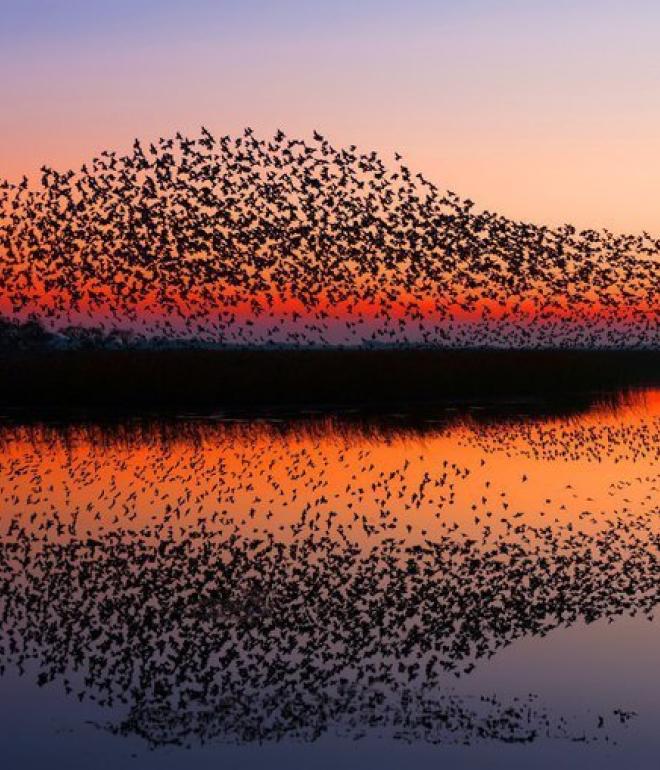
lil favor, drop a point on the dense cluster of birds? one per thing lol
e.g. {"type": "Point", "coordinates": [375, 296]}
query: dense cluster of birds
{"type": "Point", "coordinates": [242, 240]}
{"type": "Point", "coordinates": [240, 582]}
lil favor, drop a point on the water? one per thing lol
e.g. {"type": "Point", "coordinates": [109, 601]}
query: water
{"type": "Point", "coordinates": [466, 588]}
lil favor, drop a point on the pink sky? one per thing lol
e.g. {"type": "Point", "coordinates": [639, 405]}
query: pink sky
{"type": "Point", "coordinates": [546, 111]}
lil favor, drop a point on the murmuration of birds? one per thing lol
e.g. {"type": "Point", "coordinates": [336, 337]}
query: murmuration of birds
{"type": "Point", "coordinates": [245, 241]}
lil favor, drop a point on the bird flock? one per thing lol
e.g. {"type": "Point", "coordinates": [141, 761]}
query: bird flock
{"type": "Point", "coordinates": [249, 582]}
{"type": "Point", "coordinates": [283, 241]}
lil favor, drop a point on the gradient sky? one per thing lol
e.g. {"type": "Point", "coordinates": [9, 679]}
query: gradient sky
{"type": "Point", "coordinates": [545, 110]}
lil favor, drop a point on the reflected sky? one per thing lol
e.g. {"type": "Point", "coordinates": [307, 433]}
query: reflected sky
{"type": "Point", "coordinates": [479, 591]}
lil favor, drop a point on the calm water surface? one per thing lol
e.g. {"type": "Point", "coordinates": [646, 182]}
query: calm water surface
{"type": "Point", "coordinates": [461, 590]}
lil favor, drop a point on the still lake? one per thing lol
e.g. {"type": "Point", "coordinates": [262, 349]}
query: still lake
{"type": "Point", "coordinates": [465, 587]}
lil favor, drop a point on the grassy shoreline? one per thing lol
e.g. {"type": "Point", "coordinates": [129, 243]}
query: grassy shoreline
{"type": "Point", "coordinates": [134, 380]}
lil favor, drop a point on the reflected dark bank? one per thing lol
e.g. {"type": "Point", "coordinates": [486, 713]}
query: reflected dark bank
{"type": "Point", "coordinates": [304, 589]}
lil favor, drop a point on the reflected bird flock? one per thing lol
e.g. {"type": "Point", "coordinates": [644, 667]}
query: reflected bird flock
{"type": "Point", "coordinates": [252, 581]}
{"type": "Point", "coordinates": [246, 241]}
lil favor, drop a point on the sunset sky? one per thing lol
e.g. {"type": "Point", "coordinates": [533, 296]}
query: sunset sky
{"type": "Point", "coordinates": [548, 111]}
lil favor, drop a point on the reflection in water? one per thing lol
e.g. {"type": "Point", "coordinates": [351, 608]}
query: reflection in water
{"type": "Point", "coordinates": [250, 581]}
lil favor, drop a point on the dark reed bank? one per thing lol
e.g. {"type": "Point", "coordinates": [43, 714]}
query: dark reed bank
{"type": "Point", "coordinates": [136, 380]}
